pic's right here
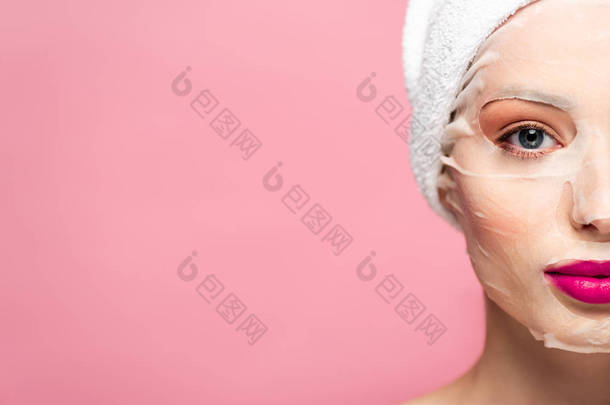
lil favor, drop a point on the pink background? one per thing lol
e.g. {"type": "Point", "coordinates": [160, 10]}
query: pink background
{"type": "Point", "coordinates": [110, 180]}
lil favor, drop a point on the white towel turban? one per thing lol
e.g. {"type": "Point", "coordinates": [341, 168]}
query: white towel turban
{"type": "Point", "coordinates": [440, 39]}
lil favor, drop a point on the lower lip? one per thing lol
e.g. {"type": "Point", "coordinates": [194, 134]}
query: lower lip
{"type": "Point", "coordinates": [591, 290]}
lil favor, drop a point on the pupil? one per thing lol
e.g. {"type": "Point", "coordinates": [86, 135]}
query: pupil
{"type": "Point", "coordinates": [531, 138]}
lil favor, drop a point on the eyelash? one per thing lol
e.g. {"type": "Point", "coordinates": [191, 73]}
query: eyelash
{"type": "Point", "coordinates": [520, 153]}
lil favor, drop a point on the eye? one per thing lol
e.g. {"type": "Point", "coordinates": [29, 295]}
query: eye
{"type": "Point", "coordinates": [528, 140]}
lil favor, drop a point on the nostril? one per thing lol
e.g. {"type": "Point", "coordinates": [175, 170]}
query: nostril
{"type": "Point", "coordinates": [602, 225]}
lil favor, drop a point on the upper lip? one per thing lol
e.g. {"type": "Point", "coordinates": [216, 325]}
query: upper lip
{"type": "Point", "coordinates": [582, 268]}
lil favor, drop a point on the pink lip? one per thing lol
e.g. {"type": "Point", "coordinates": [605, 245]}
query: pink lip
{"type": "Point", "coordinates": [586, 281]}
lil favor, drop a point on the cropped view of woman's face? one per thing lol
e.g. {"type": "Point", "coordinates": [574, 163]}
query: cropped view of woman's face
{"type": "Point", "coordinates": [527, 170]}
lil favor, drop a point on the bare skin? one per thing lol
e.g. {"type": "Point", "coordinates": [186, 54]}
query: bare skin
{"type": "Point", "coordinates": [514, 368]}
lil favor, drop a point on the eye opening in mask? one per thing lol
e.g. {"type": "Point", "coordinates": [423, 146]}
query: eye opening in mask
{"type": "Point", "coordinates": [526, 129]}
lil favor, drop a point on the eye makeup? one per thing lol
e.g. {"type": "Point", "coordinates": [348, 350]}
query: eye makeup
{"type": "Point", "coordinates": [498, 115]}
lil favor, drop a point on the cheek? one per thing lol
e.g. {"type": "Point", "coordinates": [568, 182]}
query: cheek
{"type": "Point", "coordinates": [508, 219]}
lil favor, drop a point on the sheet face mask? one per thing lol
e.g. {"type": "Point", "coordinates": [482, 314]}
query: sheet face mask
{"type": "Point", "coordinates": [534, 197]}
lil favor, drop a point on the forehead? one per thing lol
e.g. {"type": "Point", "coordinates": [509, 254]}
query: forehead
{"type": "Point", "coordinates": [559, 48]}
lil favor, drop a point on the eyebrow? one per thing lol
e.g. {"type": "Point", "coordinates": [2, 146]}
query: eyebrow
{"type": "Point", "coordinates": [528, 94]}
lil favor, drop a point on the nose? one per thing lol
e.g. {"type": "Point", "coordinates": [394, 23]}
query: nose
{"type": "Point", "coordinates": [602, 225]}
{"type": "Point", "coordinates": [591, 210]}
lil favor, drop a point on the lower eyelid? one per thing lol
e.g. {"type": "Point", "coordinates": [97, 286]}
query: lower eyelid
{"type": "Point", "coordinates": [522, 153]}
{"type": "Point", "coordinates": [519, 152]}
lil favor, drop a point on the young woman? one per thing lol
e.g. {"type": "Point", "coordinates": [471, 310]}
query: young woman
{"type": "Point", "coordinates": [510, 142]}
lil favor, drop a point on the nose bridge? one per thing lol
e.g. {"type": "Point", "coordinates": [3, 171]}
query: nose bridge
{"type": "Point", "coordinates": [592, 187]}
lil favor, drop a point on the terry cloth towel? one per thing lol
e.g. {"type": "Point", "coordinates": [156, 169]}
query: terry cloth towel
{"type": "Point", "coordinates": [440, 39]}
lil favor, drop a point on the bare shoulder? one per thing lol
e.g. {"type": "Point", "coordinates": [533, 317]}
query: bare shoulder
{"type": "Point", "coordinates": [447, 394]}
{"type": "Point", "coordinates": [438, 397]}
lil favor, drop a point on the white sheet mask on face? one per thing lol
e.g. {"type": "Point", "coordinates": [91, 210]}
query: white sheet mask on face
{"type": "Point", "coordinates": [522, 210]}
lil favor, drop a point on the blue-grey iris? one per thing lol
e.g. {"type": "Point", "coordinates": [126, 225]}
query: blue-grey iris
{"type": "Point", "coordinates": [531, 138]}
